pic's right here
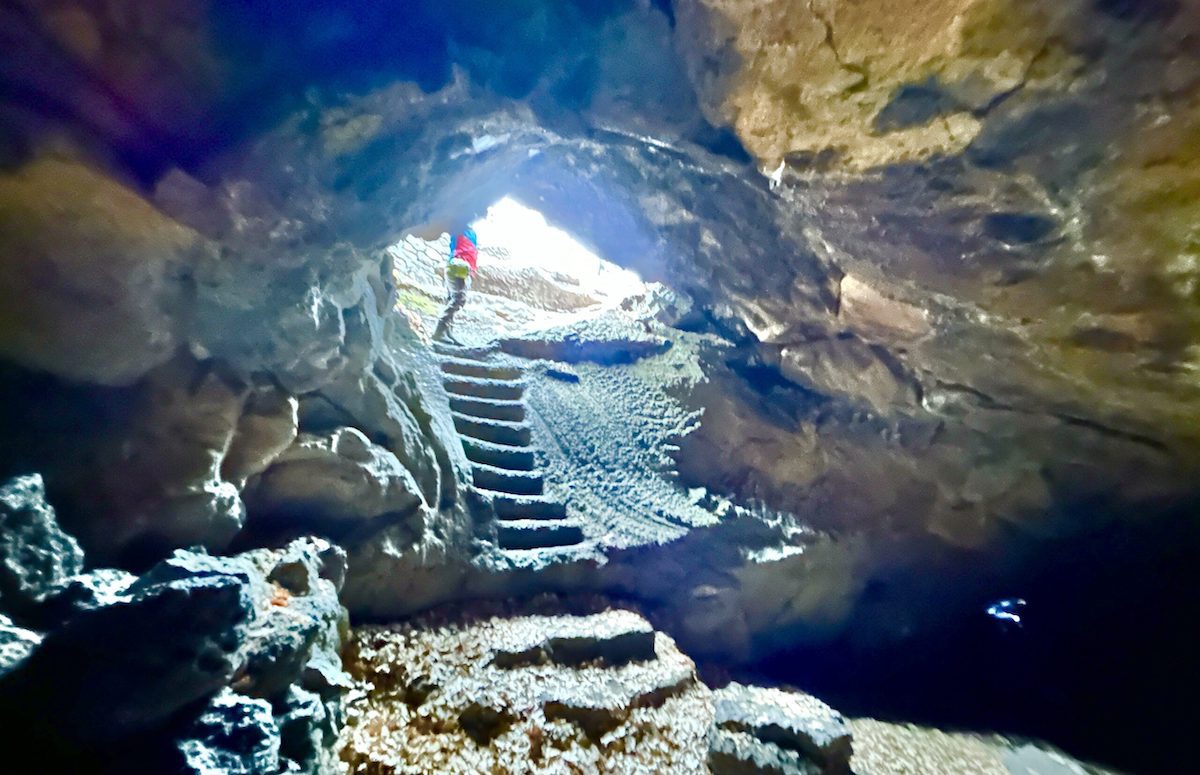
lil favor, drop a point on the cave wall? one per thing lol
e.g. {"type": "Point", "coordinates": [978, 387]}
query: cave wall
{"type": "Point", "coordinates": [951, 245]}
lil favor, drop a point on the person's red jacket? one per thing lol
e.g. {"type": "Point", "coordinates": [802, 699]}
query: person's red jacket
{"type": "Point", "coordinates": [462, 246]}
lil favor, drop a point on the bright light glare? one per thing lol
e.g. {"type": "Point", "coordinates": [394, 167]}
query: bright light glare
{"type": "Point", "coordinates": [531, 241]}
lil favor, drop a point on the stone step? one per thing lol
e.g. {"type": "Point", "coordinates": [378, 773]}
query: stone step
{"type": "Point", "coordinates": [491, 409]}
{"type": "Point", "coordinates": [538, 533]}
{"type": "Point", "coordinates": [514, 434]}
{"type": "Point", "coordinates": [505, 480]}
{"type": "Point", "coordinates": [613, 638]}
{"type": "Point", "coordinates": [499, 455]}
{"type": "Point", "coordinates": [765, 724]}
{"type": "Point", "coordinates": [509, 506]}
{"type": "Point", "coordinates": [467, 367]}
{"type": "Point", "coordinates": [468, 352]}
{"type": "Point", "coordinates": [479, 387]}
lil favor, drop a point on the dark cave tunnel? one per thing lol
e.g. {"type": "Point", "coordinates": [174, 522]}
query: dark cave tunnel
{"type": "Point", "coordinates": [902, 384]}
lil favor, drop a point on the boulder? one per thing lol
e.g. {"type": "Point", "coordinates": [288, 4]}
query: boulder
{"type": "Point", "coordinates": [137, 659]}
{"type": "Point", "coordinates": [36, 556]}
{"type": "Point", "coordinates": [235, 735]}
{"type": "Point", "coordinates": [81, 252]}
{"type": "Point", "coordinates": [127, 668]}
{"type": "Point", "coordinates": [266, 428]}
{"type": "Point", "coordinates": [295, 626]}
{"type": "Point", "coordinates": [151, 480]}
{"type": "Point", "coordinates": [297, 638]}
{"type": "Point", "coordinates": [308, 730]}
{"type": "Point", "coordinates": [786, 725]}
{"type": "Point", "coordinates": [338, 478]}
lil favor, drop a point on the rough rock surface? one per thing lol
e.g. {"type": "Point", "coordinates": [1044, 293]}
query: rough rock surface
{"type": "Point", "coordinates": [102, 244]}
{"type": "Point", "coordinates": [465, 694]}
{"type": "Point", "coordinates": [129, 660]}
{"type": "Point", "coordinates": [560, 686]}
{"type": "Point", "coordinates": [117, 671]}
{"type": "Point", "coordinates": [948, 250]}
{"type": "Point", "coordinates": [338, 477]}
{"type": "Point", "coordinates": [788, 729]}
{"type": "Point", "coordinates": [36, 556]}
{"type": "Point", "coordinates": [89, 591]}
{"type": "Point", "coordinates": [234, 734]}
{"type": "Point", "coordinates": [16, 644]}
{"type": "Point", "coordinates": [883, 748]}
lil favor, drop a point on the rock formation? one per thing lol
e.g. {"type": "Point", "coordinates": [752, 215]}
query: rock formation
{"type": "Point", "coordinates": [176, 669]}
{"type": "Point", "coordinates": [923, 333]}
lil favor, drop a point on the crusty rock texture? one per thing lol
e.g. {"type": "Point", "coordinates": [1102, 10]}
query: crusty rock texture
{"type": "Point", "coordinates": [548, 689]}
{"type": "Point", "coordinates": [937, 266]}
{"type": "Point", "coordinates": [36, 556]}
{"type": "Point", "coordinates": [509, 695]}
{"type": "Point", "coordinates": [143, 672]}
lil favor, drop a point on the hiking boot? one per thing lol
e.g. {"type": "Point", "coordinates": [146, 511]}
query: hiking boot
{"type": "Point", "coordinates": [441, 334]}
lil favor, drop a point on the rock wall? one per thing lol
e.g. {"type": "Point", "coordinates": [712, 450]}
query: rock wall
{"type": "Point", "coordinates": [950, 249]}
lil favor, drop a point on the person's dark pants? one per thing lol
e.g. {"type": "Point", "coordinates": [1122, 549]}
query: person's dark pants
{"type": "Point", "coordinates": [456, 288]}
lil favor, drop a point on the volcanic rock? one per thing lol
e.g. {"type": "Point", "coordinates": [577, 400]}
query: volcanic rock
{"type": "Point", "coordinates": [234, 735]}
{"type": "Point", "coordinates": [36, 556]}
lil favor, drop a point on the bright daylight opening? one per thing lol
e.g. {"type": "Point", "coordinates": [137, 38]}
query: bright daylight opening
{"type": "Point", "coordinates": [530, 241]}
{"type": "Point", "coordinates": [531, 276]}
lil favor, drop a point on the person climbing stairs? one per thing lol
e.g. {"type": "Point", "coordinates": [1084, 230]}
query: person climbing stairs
{"type": "Point", "coordinates": [490, 415]}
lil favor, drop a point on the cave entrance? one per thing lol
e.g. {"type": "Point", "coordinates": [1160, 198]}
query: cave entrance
{"type": "Point", "coordinates": [532, 275]}
{"type": "Point", "coordinates": [522, 237]}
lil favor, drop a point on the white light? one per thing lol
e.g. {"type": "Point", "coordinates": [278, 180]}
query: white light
{"type": "Point", "coordinates": [531, 241]}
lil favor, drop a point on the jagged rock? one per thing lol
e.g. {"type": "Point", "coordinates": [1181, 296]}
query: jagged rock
{"type": "Point", "coordinates": [266, 428]}
{"type": "Point", "coordinates": [300, 642]}
{"type": "Point", "coordinates": [852, 368]}
{"type": "Point", "coordinates": [36, 556]}
{"type": "Point", "coordinates": [235, 735]}
{"type": "Point", "coordinates": [297, 625]}
{"type": "Point", "coordinates": [16, 644]}
{"type": "Point", "coordinates": [783, 724]}
{"type": "Point", "coordinates": [339, 478]}
{"type": "Point", "coordinates": [132, 659]}
{"type": "Point", "coordinates": [126, 668]}
{"type": "Point", "coordinates": [96, 589]}
{"type": "Point", "coordinates": [308, 729]}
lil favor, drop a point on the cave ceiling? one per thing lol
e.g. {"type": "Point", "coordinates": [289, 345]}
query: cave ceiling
{"type": "Point", "coordinates": [968, 226]}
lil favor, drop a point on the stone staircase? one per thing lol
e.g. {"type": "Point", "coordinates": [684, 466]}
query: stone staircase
{"type": "Point", "coordinates": [487, 404]}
